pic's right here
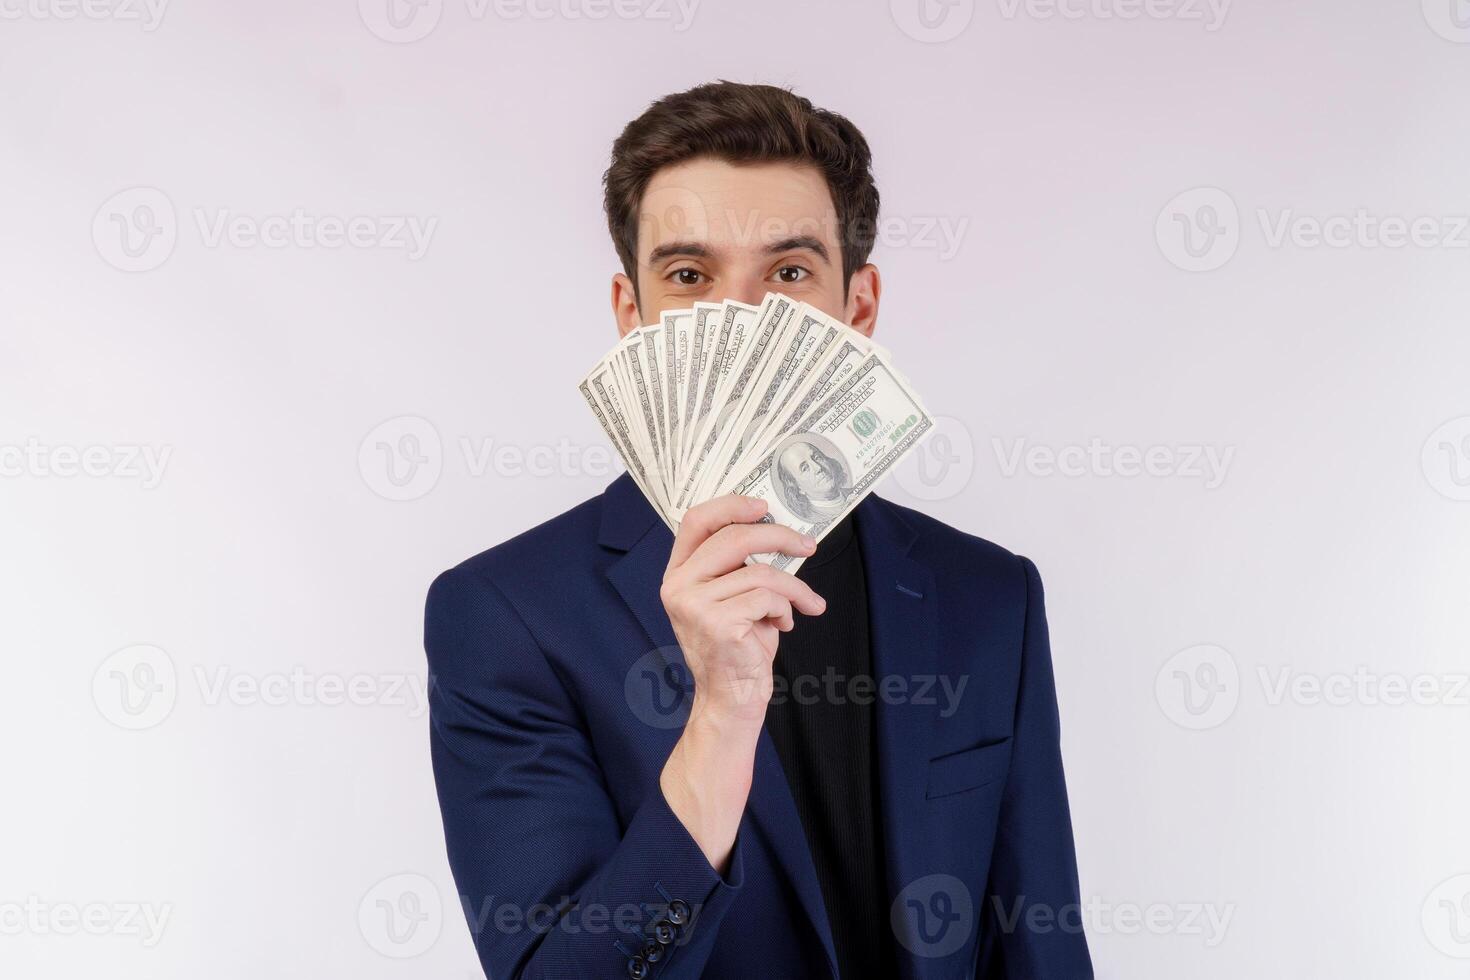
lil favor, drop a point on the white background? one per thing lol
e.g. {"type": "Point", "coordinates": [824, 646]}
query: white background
{"type": "Point", "coordinates": [1332, 382]}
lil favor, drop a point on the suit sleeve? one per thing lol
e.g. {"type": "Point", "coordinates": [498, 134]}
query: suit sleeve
{"type": "Point", "coordinates": [1032, 909]}
{"type": "Point", "coordinates": [553, 884]}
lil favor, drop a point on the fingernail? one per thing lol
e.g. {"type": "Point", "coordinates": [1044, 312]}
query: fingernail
{"type": "Point", "coordinates": [808, 541]}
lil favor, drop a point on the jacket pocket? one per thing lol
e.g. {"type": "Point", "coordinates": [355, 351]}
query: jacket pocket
{"type": "Point", "coordinates": [968, 768]}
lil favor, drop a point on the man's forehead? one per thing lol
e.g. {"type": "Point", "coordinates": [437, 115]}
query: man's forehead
{"type": "Point", "coordinates": [728, 208]}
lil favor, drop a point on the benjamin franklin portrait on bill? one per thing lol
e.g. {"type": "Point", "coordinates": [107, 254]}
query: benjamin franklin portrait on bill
{"type": "Point", "coordinates": [812, 478]}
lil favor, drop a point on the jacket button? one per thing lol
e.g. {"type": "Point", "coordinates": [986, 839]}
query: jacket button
{"type": "Point", "coordinates": [652, 951]}
{"type": "Point", "coordinates": [637, 968]}
{"type": "Point", "coordinates": [663, 933]}
{"type": "Point", "coordinates": [678, 912]}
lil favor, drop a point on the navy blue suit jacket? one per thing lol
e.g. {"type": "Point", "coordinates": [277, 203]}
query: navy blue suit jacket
{"type": "Point", "coordinates": [556, 690]}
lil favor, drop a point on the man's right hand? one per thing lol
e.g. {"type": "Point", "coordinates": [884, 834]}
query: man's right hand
{"type": "Point", "coordinates": [727, 617]}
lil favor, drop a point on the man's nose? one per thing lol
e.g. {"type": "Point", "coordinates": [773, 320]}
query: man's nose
{"type": "Point", "coordinates": [749, 289]}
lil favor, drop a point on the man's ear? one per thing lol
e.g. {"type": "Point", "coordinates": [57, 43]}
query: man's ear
{"type": "Point", "coordinates": [625, 305]}
{"type": "Point", "coordinates": [862, 299]}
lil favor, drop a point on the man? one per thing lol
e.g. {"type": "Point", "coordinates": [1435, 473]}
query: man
{"type": "Point", "coordinates": [816, 807]}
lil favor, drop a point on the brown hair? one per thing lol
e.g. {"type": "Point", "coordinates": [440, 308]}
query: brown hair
{"type": "Point", "coordinates": [743, 123]}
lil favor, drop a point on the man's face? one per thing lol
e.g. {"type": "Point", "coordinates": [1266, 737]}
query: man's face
{"type": "Point", "coordinates": [810, 469]}
{"type": "Point", "coordinates": [710, 231]}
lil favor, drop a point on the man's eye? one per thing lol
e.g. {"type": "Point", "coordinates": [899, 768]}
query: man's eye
{"type": "Point", "coordinates": [791, 273]}
{"type": "Point", "coordinates": [686, 277]}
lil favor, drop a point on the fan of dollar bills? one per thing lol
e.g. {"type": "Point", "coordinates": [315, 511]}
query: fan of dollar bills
{"type": "Point", "coordinates": [777, 401]}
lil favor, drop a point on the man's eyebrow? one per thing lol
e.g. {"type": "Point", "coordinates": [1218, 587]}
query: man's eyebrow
{"type": "Point", "coordinates": [669, 250]}
{"type": "Point", "coordinates": [796, 242]}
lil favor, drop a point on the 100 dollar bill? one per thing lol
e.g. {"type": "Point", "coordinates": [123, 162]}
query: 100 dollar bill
{"type": "Point", "coordinates": [815, 474]}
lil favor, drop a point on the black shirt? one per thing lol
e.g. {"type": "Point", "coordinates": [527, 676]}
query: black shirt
{"type": "Point", "coordinates": [824, 737]}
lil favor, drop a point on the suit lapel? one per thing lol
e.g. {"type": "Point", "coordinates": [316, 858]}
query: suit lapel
{"type": "Point", "coordinates": [902, 621]}
{"type": "Point", "coordinates": [638, 575]}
